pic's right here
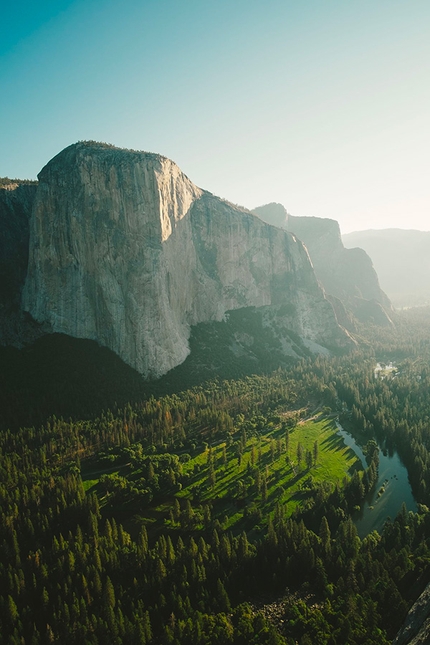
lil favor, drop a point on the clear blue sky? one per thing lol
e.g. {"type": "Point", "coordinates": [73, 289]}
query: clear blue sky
{"type": "Point", "coordinates": [322, 105]}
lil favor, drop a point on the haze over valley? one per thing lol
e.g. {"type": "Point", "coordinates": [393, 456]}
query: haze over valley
{"type": "Point", "coordinates": [126, 291]}
{"type": "Point", "coordinates": [214, 323]}
{"type": "Point", "coordinates": [402, 261]}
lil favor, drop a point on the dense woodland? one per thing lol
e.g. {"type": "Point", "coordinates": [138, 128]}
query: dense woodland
{"type": "Point", "coordinates": [112, 531]}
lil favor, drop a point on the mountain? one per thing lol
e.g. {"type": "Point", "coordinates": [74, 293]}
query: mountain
{"type": "Point", "coordinates": [402, 260]}
{"type": "Point", "coordinates": [347, 275]}
{"type": "Point", "coordinates": [124, 249]}
{"type": "Point", "coordinates": [416, 627]}
{"type": "Point", "coordinates": [16, 202]}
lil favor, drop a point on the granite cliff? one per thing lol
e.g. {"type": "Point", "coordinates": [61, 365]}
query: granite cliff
{"type": "Point", "coordinates": [126, 250]}
{"type": "Point", "coordinates": [16, 202]}
{"type": "Point", "coordinates": [402, 260]}
{"type": "Point", "coordinates": [347, 275]}
{"type": "Point", "coordinates": [416, 627]}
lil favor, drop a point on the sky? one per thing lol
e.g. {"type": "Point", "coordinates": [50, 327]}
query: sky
{"type": "Point", "coordinates": [320, 105]}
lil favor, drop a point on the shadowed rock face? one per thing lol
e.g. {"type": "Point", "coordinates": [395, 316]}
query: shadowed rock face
{"type": "Point", "coordinates": [16, 201]}
{"type": "Point", "coordinates": [125, 250]}
{"type": "Point", "coordinates": [402, 260]}
{"type": "Point", "coordinates": [346, 274]}
{"type": "Point", "coordinates": [15, 208]}
{"type": "Point", "coordinates": [416, 628]}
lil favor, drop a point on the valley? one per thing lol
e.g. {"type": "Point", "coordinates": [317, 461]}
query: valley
{"type": "Point", "coordinates": [236, 480]}
{"type": "Point", "coordinates": [214, 323]}
{"type": "Point", "coordinates": [213, 430]}
{"type": "Point", "coordinates": [223, 512]}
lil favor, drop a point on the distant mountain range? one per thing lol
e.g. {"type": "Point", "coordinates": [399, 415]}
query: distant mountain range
{"type": "Point", "coordinates": [347, 275]}
{"type": "Point", "coordinates": [120, 247]}
{"type": "Point", "coordinates": [402, 261]}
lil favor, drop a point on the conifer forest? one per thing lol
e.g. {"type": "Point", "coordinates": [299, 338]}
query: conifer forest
{"type": "Point", "coordinates": [216, 512]}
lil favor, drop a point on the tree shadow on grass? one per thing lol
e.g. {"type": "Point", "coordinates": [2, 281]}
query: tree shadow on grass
{"type": "Point", "coordinates": [334, 442]}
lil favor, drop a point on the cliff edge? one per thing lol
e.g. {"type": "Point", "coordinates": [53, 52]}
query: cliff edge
{"type": "Point", "coordinates": [347, 275]}
{"type": "Point", "coordinates": [16, 202]}
{"type": "Point", "coordinates": [126, 250]}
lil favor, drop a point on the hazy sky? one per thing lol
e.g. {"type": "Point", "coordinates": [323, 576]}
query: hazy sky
{"type": "Point", "coordinates": [321, 105]}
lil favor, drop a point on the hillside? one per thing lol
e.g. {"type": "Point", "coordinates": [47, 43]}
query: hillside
{"type": "Point", "coordinates": [347, 275]}
{"type": "Point", "coordinates": [125, 250]}
{"type": "Point", "coordinates": [402, 261]}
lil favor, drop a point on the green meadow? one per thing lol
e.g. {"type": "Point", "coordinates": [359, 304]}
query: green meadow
{"type": "Point", "coordinates": [237, 483]}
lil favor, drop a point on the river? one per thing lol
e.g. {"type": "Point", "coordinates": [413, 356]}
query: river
{"type": "Point", "coordinates": [391, 489]}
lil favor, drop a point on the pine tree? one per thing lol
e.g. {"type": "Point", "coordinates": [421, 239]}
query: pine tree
{"type": "Point", "coordinates": [299, 454]}
{"type": "Point", "coordinates": [222, 599]}
{"type": "Point", "coordinates": [109, 594]}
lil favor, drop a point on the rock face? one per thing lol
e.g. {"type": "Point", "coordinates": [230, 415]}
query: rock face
{"type": "Point", "coordinates": [16, 201]}
{"type": "Point", "coordinates": [402, 260]}
{"type": "Point", "coordinates": [125, 250]}
{"type": "Point", "coordinates": [274, 214]}
{"type": "Point", "coordinates": [416, 628]}
{"type": "Point", "coordinates": [346, 274]}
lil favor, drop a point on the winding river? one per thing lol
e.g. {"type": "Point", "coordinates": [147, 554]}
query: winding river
{"type": "Point", "coordinates": [391, 489]}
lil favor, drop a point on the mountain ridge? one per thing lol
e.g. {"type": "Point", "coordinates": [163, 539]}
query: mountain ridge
{"type": "Point", "coordinates": [347, 275]}
{"type": "Point", "coordinates": [402, 260]}
{"type": "Point", "coordinates": [124, 249]}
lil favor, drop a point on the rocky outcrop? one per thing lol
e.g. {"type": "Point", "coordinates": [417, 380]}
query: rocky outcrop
{"type": "Point", "coordinates": [125, 250]}
{"type": "Point", "coordinates": [274, 214]}
{"type": "Point", "coordinates": [16, 201]}
{"type": "Point", "coordinates": [346, 274]}
{"type": "Point", "coordinates": [402, 260]}
{"type": "Point", "coordinates": [416, 628]}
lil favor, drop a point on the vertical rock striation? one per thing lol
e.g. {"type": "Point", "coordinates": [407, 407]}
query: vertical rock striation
{"type": "Point", "coordinates": [16, 200]}
{"type": "Point", "coordinates": [347, 275]}
{"type": "Point", "coordinates": [125, 250]}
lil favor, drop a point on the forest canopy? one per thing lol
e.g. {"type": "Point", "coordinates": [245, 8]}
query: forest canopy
{"type": "Point", "coordinates": [202, 515]}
